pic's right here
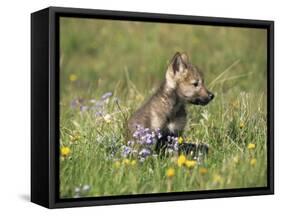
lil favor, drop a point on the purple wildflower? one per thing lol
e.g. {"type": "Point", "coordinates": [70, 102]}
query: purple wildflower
{"type": "Point", "coordinates": [106, 95]}
{"type": "Point", "coordinates": [158, 132]}
{"type": "Point", "coordinates": [136, 134]}
{"type": "Point", "coordinates": [145, 138]}
{"type": "Point", "coordinates": [126, 151]}
{"type": "Point", "coordinates": [75, 103]}
{"type": "Point", "coordinates": [98, 104]}
{"type": "Point", "coordinates": [84, 108]}
{"type": "Point", "coordinates": [99, 113]}
{"type": "Point", "coordinates": [145, 152]}
{"type": "Point", "coordinates": [148, 140]}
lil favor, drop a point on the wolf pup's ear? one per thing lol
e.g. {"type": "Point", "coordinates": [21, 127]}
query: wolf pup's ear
{"type": "Point", "coordinates": [179, 62]}
{"type": "Point", "coordinates": [185, 58]}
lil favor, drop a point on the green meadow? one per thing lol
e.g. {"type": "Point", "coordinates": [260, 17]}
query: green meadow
{"type": "Point", "coordinates": [109, 68]}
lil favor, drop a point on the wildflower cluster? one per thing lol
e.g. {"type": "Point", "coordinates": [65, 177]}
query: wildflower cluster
{"type": "Point", "coordinates": [145, 140]}
{"type": "Point", "coordinates": [125, 162]}
{"type": "Point", "coordinates": [145, 136]}
{"type": "Point", "coordinates": [95, 105]}
{"type": "Point", "coordinates": [183, 161]}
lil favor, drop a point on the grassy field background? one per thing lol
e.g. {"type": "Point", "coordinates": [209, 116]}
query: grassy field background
{"type": "Point", "coordinates": [128, 60]}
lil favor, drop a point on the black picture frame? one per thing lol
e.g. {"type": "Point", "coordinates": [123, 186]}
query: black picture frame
{"type": "Point", "coordinates": [45, 106]}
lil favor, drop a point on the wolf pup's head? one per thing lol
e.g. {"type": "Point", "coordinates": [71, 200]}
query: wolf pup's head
{"type": "Point", "coordinates": [187, 81]}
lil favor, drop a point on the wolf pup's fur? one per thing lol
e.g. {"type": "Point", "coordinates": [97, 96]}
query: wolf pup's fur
{"type": "Point", "coordinates": [165, 109]}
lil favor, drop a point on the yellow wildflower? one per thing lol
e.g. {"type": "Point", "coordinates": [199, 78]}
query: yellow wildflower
{"type": "Point", "coordinates": [190, 163]}
{"type": "Point", "coordinates": [117, 164]}
{"type": "Point", "coordinates": [253, 161]}
{"type": "Point", "coordinates": [72, 77]}
{"type": "Point", "coordinates": [74, 137]}
{"type": "Point", "coordinates": [133, 162]}
{"type": "Point", "coordinates": [251, 146]}
{"type": "Point", "coordinates": [64, 151]}
{"type": "Point", "coordinates": [126, 161]}
{"type": "Point", "coordinates": [242, 125]}
{"type": "Point", "coordinates": [203, 170]}
{"type": "Point", "coordinates": [217, 179]}
{"type": "Point", "coordinates": [170, 172]}
{"type": "Point", "coordinates": [181, 160]}
{"type": "Point", "coordinates": [180, 140]}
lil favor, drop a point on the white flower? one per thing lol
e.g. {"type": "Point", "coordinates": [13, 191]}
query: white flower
{"type": "Point", "coordinates": [107, 118]}
{"type": "Point", "coordinates": [86, 188]}
{"type": "Point", "coordinates": [77, 190]}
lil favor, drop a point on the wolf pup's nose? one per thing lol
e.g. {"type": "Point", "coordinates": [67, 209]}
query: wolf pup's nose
{"type": "Point", "coordinates": [210, 96]}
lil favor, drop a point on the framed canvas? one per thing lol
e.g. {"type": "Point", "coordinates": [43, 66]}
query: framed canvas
{"type": "Point", "coordinates": [139, 107]}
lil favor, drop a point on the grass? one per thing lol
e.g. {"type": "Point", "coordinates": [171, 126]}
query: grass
{"type": "Point", "coordinates": [129, 60]}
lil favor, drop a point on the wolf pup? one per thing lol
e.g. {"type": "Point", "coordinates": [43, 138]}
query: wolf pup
{"type": "Point", "coordinates": [165, 110]}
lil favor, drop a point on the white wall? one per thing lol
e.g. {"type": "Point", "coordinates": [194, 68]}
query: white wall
{"type": "Point", "coordinates": [15, 106]}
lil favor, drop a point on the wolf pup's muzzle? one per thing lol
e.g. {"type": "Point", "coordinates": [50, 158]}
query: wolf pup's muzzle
{"type": "Point", "coordinates": [204, 100]}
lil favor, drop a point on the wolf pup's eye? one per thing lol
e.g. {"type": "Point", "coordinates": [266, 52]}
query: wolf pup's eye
{"type": "Point", "coordinates": [196, 83]}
